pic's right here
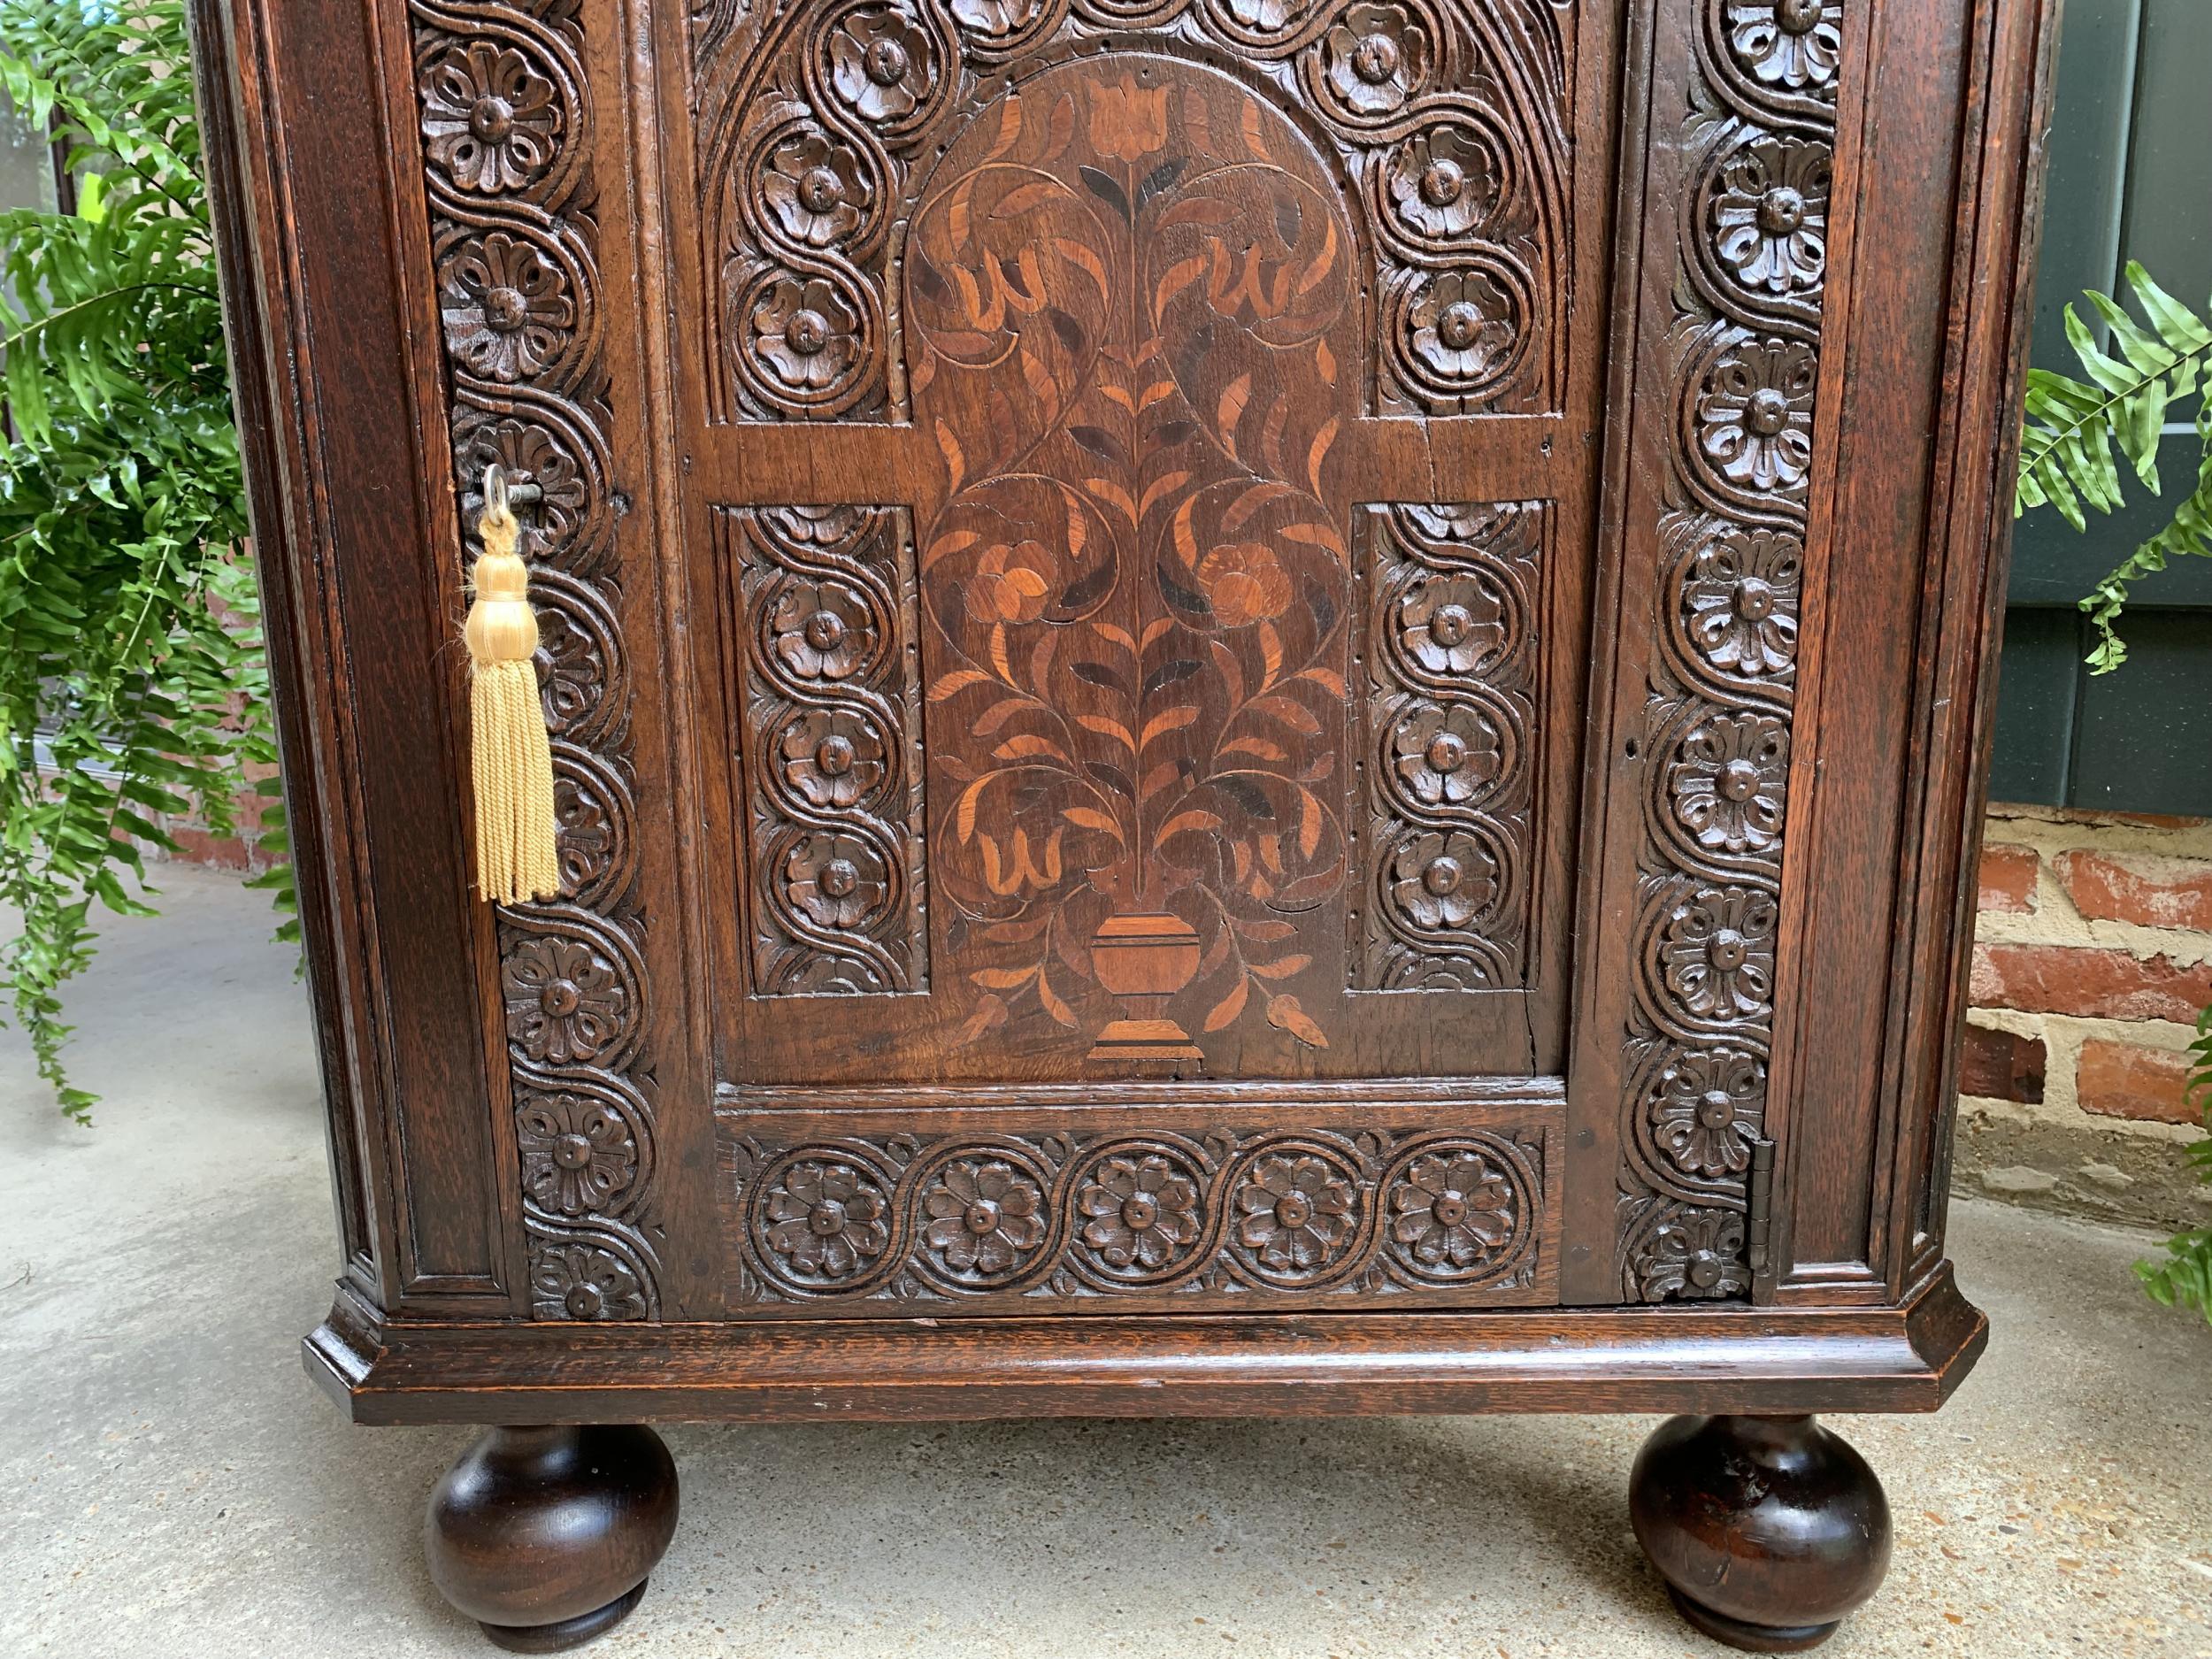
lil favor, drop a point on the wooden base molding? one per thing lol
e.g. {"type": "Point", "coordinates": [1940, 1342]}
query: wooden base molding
{"type": "Point", "coordinates": [1890, 1359]}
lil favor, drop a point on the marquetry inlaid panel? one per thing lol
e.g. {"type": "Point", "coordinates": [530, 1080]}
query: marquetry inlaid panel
{"type": "Point", "coordinates": [1133, 733]}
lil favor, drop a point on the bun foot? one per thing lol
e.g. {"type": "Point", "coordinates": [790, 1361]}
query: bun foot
{"type": "Point", "coordinates": [568, 1632]}
{"type": "Point", "coordinates": [544, 1536]}
{"type": "Point", "coordinates": [1751, 1637]}
{"type": "Point", "coordinates": [1767, 1530]}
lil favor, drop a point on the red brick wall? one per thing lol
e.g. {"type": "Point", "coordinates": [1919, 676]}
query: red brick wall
{"type": "Point", "coordinates": [197, 845]}
{"type": "Point", "coordinates": [2093, 958]}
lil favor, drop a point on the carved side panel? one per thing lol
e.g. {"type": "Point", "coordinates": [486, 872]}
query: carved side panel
{"type": "Point", "coordinates": [505, 114]}
{"type": "Point", "coordinates": [1013, 1219]}
{"type": "Point", "coordinates": [820, 124]}
{"type": "Point", "coordinates": [1745, 352]}
{"type": "Point", "coordinates": [1450, 669]}
{"type": "Point", "coordinates": [832, 747]}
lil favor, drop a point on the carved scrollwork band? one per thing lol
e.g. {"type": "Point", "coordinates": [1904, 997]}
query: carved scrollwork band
{"type": "Point", "coordinates": [832, 747]}
{"type": "Point", "coordinates": [820, 124]}
{"type": "Point", "coordinates": [505, 112]}
{"type": "Point", "coordinates": [1079, 1219]}
{"type": "Point", "coordinates": [1760, 131]}
{"type": "Point", "coordinates": [1450, 664]}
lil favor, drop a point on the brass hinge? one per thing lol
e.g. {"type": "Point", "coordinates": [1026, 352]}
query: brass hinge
{"type": "Point", "coordinates": [1759, 1223]}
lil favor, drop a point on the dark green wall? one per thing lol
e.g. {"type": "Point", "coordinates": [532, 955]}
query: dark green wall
{"type": "Point", "coordinates": [2131, 178]}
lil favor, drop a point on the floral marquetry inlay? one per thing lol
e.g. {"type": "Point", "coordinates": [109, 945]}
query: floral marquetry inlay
{"type": "Point", "coordinates": [1125, 728]}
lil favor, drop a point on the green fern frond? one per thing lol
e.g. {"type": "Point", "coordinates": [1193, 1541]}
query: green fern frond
{"type": "Point", "coordinates": [2184, 1279]}
{"type": "Point", "coordinates": [2188, 533]}
{"type": "Point", "coordinates": [2077, 432]}
{"type": "Point", "coordinates": [133, 689]}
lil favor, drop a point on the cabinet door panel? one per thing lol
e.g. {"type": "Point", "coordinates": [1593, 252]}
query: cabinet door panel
{"type": "Point", "coordinates": [1146, 562]}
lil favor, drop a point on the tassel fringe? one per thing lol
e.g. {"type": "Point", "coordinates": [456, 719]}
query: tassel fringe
{"type": "Point", "coordinates": [511, 759]}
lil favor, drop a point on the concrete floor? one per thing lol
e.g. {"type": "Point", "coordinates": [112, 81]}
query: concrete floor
{"type": "Point", "coordinates": [175, 1487]}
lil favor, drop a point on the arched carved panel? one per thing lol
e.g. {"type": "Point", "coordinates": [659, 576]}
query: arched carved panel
{"type": "Point", "coordinates": [1213, 753]}
{"type": "Point", "coordinates": [1158, 689]}
{"type": "Point", "coordinates": [820, 125]}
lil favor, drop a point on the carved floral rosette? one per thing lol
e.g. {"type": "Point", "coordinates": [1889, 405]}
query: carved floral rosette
{"type": "Point", "coordinates": [505, 112]}
{"type": "Point", "coordinates": [1450, 658]}
{"type": "Point", "coordinates": [831, 747]}
{"type": "Point", "coordinates": [1745, 348]}
{"type": "Point", "coordinates": [820, 122]}
{"type": "Point", "coordinates": [1076, 1219]}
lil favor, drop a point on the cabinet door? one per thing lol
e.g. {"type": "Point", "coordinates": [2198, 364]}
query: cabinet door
{"type": "Point", "coordinates": [1138, 459]}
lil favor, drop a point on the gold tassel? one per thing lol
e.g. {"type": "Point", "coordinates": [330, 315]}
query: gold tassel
{"type": "Point", "coordinates": [510, 760]}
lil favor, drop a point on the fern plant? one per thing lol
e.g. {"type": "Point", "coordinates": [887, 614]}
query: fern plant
{"type": "Point", "coordinates": [133, 686]}
{"type": "Point", "coordinates": [2185, 1278]}
{"type": "Point", "coordinates": [2067, 452]}
{"type": "Point", "coordinates": [2076, 431]}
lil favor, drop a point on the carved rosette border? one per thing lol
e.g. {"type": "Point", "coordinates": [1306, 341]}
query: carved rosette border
{"type": "Point", "coordinates": [820, 122]}
{"type": "Point", "coordinates": [1450, 754]}
{"type": "Point", "coordinates": [1074, 1218]}
{"type": "Point", "coordinates": [831, 747]}
{"type": "Point", "coordinates": [1745, 348]}
{"type": "Point", "coordinates": [506, 110]}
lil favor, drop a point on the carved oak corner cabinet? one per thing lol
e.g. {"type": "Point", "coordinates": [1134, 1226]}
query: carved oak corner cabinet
{"type": "Point", "coordinates": [1258, 706]}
